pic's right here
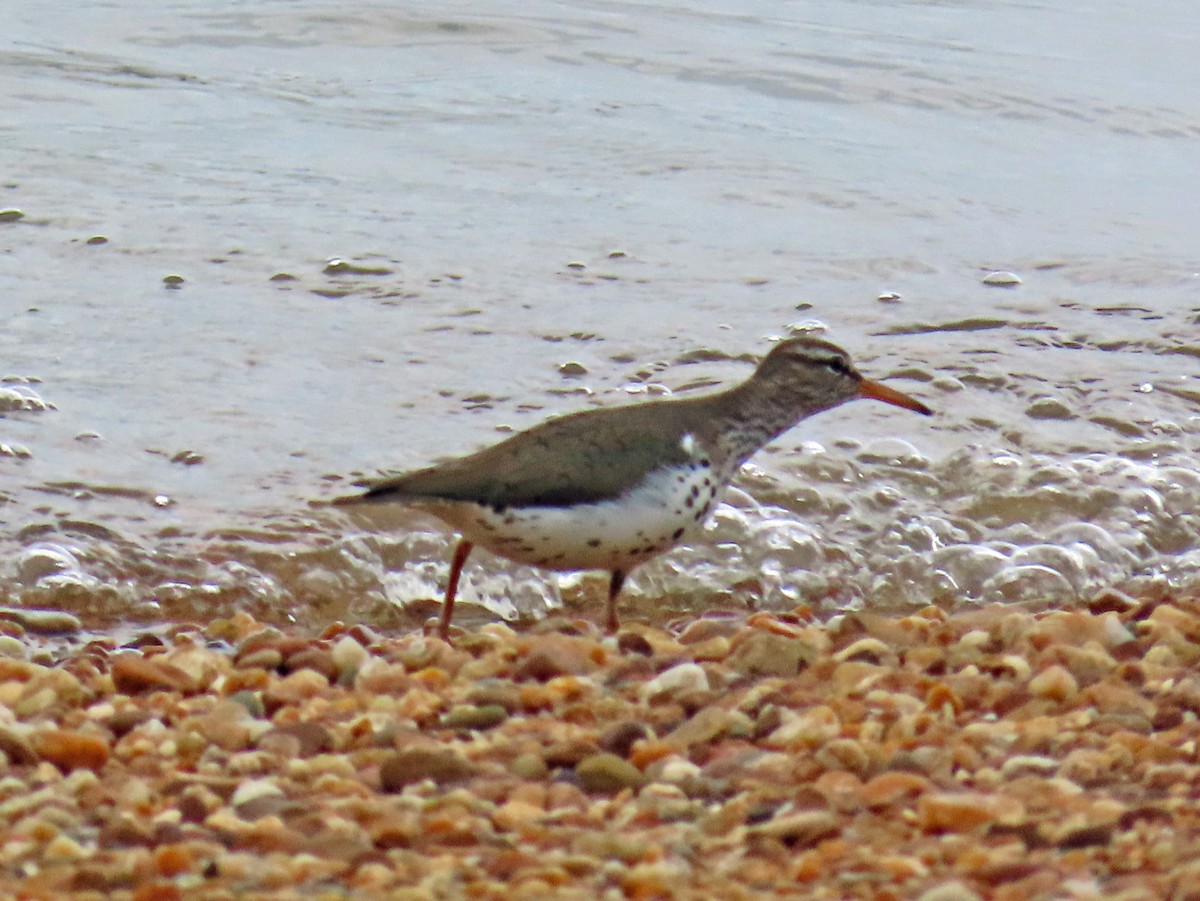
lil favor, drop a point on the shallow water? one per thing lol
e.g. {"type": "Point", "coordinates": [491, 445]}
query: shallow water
{"type": "Point", "coordinates": [621, 186]}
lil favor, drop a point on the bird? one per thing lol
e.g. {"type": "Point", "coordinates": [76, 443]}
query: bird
{"type": "Point", "coordinates": [608, 488]}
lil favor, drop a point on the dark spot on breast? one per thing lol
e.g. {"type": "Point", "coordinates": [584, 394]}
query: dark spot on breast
{"type": "Point", "coordinates": [593, 542]}
{"type": "Point", "coordinates": [677, 534]}
{"type": "Point", "coordinates": [689, 502]}
{"type": "Point", "coordinates": [707, 482]}
{"type": "Point", "coordinates": [681, 479]}
{"type": "Point", "coordinates": [695, 491]}
{"type": "Point", "coordinates": [705, 463]}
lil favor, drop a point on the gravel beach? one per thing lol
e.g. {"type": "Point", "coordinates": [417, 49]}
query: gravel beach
{"type": "Point", "coordinates": [990, 753]}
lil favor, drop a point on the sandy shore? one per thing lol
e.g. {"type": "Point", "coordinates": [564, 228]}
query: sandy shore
{"type": "Point", "coordinates": [992, 753]}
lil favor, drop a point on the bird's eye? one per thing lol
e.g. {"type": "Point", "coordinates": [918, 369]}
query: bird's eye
{"type": "Point", "coordinates": [838, 365]}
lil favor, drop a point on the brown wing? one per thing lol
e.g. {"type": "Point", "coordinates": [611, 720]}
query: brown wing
{"type": "Point", "coordinates": [590, 456]}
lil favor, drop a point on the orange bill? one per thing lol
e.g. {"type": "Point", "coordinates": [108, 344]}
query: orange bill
{"type": "Point", "coordinates": [880, 391]}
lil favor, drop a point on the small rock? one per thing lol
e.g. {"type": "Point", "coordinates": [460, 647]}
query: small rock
{"type": "Point", "coordinates": [763, 653]}
{"type": "Point", "coordinates": [1111, 600]}
{"type": "Point", "coordinates": [71, 750]}
{"type": "Point", "coordinates": [868, 650]}
{"type": "Point", "coordinates": [844, 754]}
{"type": "Point", "coordinates": [1055, 683]}
{"type": "Point", "coordinates": [316, 659]}
{"type": "Point", "coordinates": [337, 266]}
{"type": "Point", "coordinates": [1027, 764]}
{"type": "Point", "coordinates": [63, 849]}
{"type": "Point", "coordinates": [548, 656]}
{"type": "Point", "coordinates": [1049, 408]}
{"type": "Point", "coordinates": [569, 753]}
{"type": "Point", "coordinates": [799, 830]}
{"type": "Point", "coordinates": [299, 686]}
{"type": "Point", "coordinates": [261, 658]}
{"type": "Point", "coordinates": [962, 812]}
{"type": "Point", "coordinates": [1001, 279]}
{"type": "Point", "coordinates": [472, 717]}
{"type": "Point", "coordinates": [349, 655]}
{"type": "Point", "coordinates": [1087, 836]}
{"type": "Point", "coordinates": [950, 891]}
{"type": "Point", "coordinates": [529, 766]}
{"type": "Point", "coordinates": [418, 764]}
{"type": "Point", "coordinates": [135, 674]}
{"type": "Point", "coordinates": [312, 738]}
{"type": "Point", "coordinates": [619, 737]}
{"type": "Point", "coordinates": [253, 789]}
{"type": "Point", "coordinates": [43, 622]}
{"type": "Point", "coordinates": [606, 773]}
{"type": "Point", "coordinates": [705, 727]}
{"type": "Point", "coordinates": [701, 630]}
{"type": "Point", "coordinates": [680, 679]}
{"type": "Point", "coordinates": [634, 643]}
{"type": "Point", "coordinates": [16, 747]}
{"type": "Point", "coordinates": [892, 787]}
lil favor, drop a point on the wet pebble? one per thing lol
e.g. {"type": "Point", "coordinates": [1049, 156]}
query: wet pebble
{"type": "Point", "coordinates": [1001, 279]}
{"type": "Point", "coordinates": [44, 622]}
{"type": "Point", "coordinates": [1049, 408]}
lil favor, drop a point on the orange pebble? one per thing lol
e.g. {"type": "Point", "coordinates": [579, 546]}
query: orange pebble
{"type": "Point", "coordinates": [809, 867]}
{"type": "Point", "coordinates": [71, 750]}
{"type": "Point", "coordinates": [172, 860]}
{"type": "Point", "coordinates": [888, 788]}
{"type": "Point", "coordinates": [941, 695]}
{"type": "Point", "coordinates": [645, 752]}
{"type": "Point", "coordinates": [770, 623]}
{"type": "Point", "coordinates": [157, 891]}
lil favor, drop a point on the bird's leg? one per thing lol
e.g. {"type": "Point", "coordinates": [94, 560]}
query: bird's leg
{"type": "Point", "coordinates": [614, 589]}
{"type": "Point", "coordinates": [460, 557]}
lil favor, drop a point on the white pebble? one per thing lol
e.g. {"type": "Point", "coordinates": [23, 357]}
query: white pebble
{"type": "Point", "coordinates": [677, 680]}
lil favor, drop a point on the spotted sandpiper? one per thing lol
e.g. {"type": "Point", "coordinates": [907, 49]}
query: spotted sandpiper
{"type": "Point", "coordinates": [610, 488]}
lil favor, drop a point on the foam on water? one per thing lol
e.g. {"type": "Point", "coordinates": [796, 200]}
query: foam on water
{"type": "Point", "coordinates": [839, 528]}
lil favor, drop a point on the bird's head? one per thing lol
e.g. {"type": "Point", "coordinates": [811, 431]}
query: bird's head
{"type": "Point", "coordinates": [824, 375]}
